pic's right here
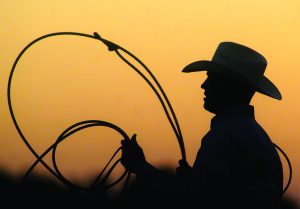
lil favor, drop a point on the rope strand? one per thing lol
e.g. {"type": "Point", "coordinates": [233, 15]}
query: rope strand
{"type": "Point", "coordinates": [158, 90]}
{"type": "Point", "coordinates": [91, 123]}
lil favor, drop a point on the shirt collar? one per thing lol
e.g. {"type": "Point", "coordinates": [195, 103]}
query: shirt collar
{"type": "Point", "coordinates": [231, 112]}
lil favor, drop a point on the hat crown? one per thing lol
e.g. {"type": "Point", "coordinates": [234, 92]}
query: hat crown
{"type": "Point", "coordinates": [241, 59]}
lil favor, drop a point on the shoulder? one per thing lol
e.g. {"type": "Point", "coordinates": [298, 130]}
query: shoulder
{"type": "Point", "coordinates": [238, 126]}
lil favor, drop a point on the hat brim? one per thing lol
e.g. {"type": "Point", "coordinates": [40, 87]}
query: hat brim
{"type": "Point", "coordinates": [264, 86]}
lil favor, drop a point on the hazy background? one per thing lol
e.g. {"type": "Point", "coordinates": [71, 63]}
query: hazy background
{"type": "Point", "coordinates": [66, 79]}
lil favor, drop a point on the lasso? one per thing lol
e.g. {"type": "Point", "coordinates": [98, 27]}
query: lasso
{"type": "Point", "coordinates": [155, 86]}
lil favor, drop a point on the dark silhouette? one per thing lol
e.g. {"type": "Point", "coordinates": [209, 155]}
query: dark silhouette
{"type": "Point", "coordinates": [237, 165]}
{"type": "Point", "coordinates": [42, 192]}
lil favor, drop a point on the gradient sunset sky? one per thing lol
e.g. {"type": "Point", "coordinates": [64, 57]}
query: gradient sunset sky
{"type": "Point", "coordinates": [66, 79]}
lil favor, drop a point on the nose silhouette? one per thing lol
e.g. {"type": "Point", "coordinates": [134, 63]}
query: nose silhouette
{"type": "Point", "coordinates": [204, 84]}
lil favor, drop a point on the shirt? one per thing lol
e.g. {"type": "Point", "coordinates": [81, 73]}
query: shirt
{"type": "Point", "coordinates": [237, 164]}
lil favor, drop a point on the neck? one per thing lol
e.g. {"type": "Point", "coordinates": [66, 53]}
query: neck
{"type": "Point", "coordinates": [223, 108]}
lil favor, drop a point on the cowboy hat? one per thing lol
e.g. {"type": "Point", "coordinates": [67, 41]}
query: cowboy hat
{"type": "Point", "coordinates": [238, 62]}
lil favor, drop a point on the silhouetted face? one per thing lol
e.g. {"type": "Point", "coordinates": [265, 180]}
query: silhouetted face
{"type": "Point", "coordinates": [221, 93]}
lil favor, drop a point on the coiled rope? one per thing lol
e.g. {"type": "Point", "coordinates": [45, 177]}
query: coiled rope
{"type": "Point", "coordinates": [156, 87]}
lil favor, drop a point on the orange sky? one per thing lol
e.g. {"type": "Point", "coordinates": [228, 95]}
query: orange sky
{"type": "Point", "coordinates": [63, 80]}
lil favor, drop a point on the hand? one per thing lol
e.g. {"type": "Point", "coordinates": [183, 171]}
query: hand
{"type": "Point", "coordinates": [183, 170]}
{"type": "Point", "coordinates": [133, 157]}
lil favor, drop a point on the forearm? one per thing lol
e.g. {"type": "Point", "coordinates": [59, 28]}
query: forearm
{"type": "Point", "coordinates": [153, 178]}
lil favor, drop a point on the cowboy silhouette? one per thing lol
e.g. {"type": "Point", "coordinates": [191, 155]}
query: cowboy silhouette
{"type": "Point", "coordinates": [237, 165]}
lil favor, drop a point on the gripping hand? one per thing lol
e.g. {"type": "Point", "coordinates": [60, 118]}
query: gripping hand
{"type": "Point", "coordinates": [133, 157]}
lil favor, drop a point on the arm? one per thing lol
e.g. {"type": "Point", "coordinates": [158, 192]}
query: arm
{"type": "Point", "coordinates": [147, 176]}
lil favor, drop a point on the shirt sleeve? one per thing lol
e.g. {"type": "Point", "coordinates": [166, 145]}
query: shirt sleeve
{"type": "Point", "coordinates": [210, 176]}
{"type": "Point", "coordinates": [153, 178]}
